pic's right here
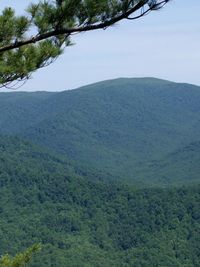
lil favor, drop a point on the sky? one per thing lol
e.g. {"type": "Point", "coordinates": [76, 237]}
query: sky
{"type": "Point", "coordinates": [165, 44]}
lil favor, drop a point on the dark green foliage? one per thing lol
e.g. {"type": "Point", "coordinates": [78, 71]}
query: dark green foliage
{"type": "Point", "coordinates": [82, 222]}
{"type": "Point", "coordinates": [125, 127]}
{"type": "Point", "coordinates": [18, 64]}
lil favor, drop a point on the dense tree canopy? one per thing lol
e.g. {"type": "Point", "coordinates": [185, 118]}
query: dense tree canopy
{"type": "Point", "coordinates": [34, 40]}
{"type": "Point", "coordinates": [84, 221]}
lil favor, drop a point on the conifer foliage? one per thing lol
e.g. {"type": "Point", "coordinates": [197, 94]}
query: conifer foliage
{"type": "Point", "coordinates": [34, 40]}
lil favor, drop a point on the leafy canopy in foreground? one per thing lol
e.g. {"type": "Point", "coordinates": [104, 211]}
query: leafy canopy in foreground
{"type": "Point", "coordinates": [35, 40]}
{"type": "Point", "coordinates": [21, 259]}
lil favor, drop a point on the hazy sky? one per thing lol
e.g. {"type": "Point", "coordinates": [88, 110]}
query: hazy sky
{"type": "Point", "coordinates": [164, 44]}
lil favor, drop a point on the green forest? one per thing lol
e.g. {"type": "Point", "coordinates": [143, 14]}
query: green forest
{"type": "Point", "coordinates": [103, 176]}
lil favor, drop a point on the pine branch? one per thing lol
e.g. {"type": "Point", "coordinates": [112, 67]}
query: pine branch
{"type": "Point", "coordinates": [69, 31]}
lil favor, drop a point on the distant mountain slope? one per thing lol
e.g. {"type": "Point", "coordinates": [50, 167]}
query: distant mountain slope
{"type": "Point", "coordinates": [177, 168]}
{"type": "Point", "coordinates": [116, 126]}
{"type": "Point", "coordinates": [85, 223]}
{"type": "Point", "coordinates": [19, 110]}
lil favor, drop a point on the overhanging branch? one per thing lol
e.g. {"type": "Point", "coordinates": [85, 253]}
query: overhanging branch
{"type": "Point", "coordinates": [101, 25]}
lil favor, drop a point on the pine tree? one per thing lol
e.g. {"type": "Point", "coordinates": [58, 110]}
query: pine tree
{"type": "Point", "coordinates": [54, 23]}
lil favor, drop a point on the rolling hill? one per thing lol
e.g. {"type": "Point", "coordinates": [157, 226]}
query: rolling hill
{"type": "Point", "coordinates": [118, 126]}
{"type": "Point", "coordinates": [82, 222]}
{"type": "Point", "coordinates": [105, 175]}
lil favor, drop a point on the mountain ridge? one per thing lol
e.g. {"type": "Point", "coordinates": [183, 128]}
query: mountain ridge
{"type": "Point", "coordinates": [106, 176]}
{"type": "Point", "coordinates": [115, 126]}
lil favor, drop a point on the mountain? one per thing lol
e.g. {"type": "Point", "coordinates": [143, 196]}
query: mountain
{"type": "Point", "coordinates": [20, 110]}
{"type": "Point", "coordinates": [86, 222]}
{"type": "Point", "coordinates": [118, 127]}
{"type": "Point", "coordinates": [66, 163]}
{"type": "Point", "coordinates": [177, 168]}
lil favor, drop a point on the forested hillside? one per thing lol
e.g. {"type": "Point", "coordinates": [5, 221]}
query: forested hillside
{"type": "Point", "coordinates": [82, 222]}
{"type": "Point", "coordinates": [66, 163]}
{"type": "Point", "coordinates": [127, 128]}
{"type": "Point", "coordinates": [177, 168]}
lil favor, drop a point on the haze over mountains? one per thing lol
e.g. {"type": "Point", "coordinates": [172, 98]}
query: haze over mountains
{"type": "Point", "coordinates": [127, 128]}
